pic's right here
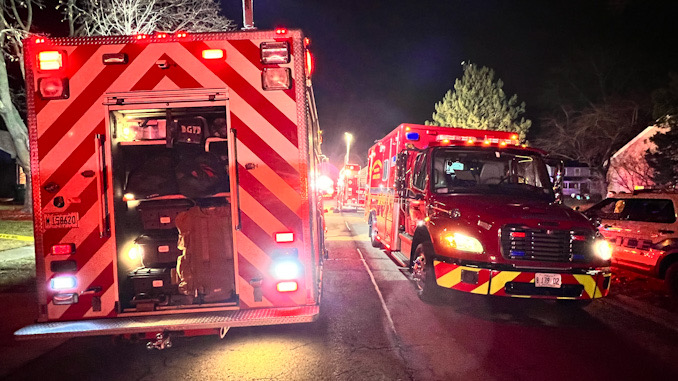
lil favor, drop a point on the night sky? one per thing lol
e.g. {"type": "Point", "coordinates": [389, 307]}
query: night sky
{"type": "Point", "coordinates": [382, 63]}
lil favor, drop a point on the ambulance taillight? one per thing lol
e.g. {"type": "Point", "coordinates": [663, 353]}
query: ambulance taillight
{"type": "Point", "coordinates": [63, 249]}
{"type": "Point", "coordinates": [53, 88]}
{"type": "Point", "coordinates": [276, 78]}
{"type": "Point", "coordinates": [274, 53]}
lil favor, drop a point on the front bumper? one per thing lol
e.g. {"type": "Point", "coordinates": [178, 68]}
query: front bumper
{"type": "Point", "coordinates": [592, 284]}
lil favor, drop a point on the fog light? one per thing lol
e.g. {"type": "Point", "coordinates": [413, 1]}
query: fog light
{"type": "Point", "coordinates": [63, 283]}
{"type": "Point", "coordinates": [469, 276]}
{"type": "Point", "coordinates": [289, 286]}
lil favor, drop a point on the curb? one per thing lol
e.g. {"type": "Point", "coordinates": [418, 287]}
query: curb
{"type": "Point", "coordinates": [644, 310]}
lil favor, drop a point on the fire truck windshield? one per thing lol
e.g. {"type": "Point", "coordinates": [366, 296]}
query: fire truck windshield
{"type": "Point", "coordinates": [490, 171]}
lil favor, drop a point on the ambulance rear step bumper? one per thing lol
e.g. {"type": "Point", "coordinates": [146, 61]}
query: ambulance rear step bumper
{"type": "Point", "coordinates": [177, 322]}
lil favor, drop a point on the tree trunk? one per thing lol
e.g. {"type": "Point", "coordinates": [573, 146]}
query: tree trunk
{"type": "Point", "coordinates": [17, 129]}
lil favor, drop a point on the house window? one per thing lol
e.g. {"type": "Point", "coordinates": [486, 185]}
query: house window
{"type": "Point", "coordinates": [577, 171]}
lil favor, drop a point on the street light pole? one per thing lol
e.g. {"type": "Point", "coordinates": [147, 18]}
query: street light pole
{"type": "Point", "coordinates": [348, 138]}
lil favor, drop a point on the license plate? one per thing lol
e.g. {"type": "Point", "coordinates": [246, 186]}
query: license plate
{"type": "Point", "coordinates": [547, 280]}
{"type": "Point", "coordinates": [61, 220]}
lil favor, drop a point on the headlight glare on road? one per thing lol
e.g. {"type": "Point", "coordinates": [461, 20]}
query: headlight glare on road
{"type": "Point", "coordinates": [603, 249]}
{"type": "Point", "coordinates": [463, 242]}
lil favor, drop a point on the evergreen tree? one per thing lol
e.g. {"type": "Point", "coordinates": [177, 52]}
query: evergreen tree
{"type": "Point", "coordinates": [478, 101]}
{"type": "Point", "coordinates": [664, 160]}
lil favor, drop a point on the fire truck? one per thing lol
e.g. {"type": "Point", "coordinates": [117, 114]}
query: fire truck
{"type": "Point", "coordinates": [476, 211]}
{"type": "Point", "coordinates": [349, 193]}
{"type": "Point", "coordinates": [155, 152]}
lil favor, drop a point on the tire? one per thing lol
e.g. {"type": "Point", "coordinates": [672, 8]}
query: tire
{"type": "Point", "coordinates": [671, 280]}
{"type": "Point", "coordinates": [373, 234]}
{"type": "Point", "coordinates": [424, 274]}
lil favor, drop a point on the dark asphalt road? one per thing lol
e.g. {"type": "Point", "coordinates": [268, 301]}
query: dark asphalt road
{"type": "Point", "coordinates": [373, 327]}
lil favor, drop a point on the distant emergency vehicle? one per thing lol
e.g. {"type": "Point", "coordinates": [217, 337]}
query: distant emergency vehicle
{"type": "Point", "coordinates": [173, 183]}
{"type": "Point", "coordinates": [475, 211]}
{"type": "Point", "coordinates": [349, 193]}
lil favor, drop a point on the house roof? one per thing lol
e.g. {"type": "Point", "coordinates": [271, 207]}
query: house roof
{"type": "Point", "coordinates": [645, 134]}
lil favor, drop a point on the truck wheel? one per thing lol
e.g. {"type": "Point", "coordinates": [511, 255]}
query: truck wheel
{"type": "Point", "coordinates": [424, 274]}
{"type": "Point", "coordinates": [373, 234]}
{"type": "Point", "coordinates": [671, 279]}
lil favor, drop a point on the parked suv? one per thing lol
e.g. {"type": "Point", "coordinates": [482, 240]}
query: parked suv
{"type": "Point", "coordinates": [643, 230]}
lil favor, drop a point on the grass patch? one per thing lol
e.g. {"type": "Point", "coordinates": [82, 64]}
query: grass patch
{"type": "Point", "coordinates": [16, 227]}
{"type": "Point", "coordinates": [17, 272]}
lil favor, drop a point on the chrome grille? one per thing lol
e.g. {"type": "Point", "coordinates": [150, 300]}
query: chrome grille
{"type": "Point", "coordinates": [550, 245]}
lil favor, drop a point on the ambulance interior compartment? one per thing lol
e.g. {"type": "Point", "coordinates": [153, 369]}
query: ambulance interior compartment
{"type": "Point", "coordinates": [152, 152]}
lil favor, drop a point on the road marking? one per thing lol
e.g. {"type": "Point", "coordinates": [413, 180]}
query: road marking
{"type": "Point", "coordinates": [16, 237]}
{"type": "Point", "coordinates": [381, 297]}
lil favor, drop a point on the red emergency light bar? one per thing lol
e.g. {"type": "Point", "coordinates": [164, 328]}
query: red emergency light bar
{"type": "Point", "coordinates": [471, 139]}
{"type": "Point", "coordinates": [281, 31]}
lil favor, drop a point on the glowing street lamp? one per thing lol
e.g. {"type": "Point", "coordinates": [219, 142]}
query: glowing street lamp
{"type": "Point", "coordinates": [349, 138]}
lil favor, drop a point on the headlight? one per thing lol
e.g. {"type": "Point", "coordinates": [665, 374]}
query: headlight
{"type": "Point", "coordinates": [463, 242]}
{"type": "Point", "coordinates": [603, 249]}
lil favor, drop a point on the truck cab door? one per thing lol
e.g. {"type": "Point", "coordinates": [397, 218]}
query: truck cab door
{"type": "Point", "coordinates": [415, 204]}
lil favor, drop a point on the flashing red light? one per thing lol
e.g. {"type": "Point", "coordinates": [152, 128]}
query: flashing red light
{"type": "Point", "coordinates": [518, 234]}
{"type": "Point", "coordinates": [287, 286]}
{"type": "Point", "coordinates": [141, 36]}
{"type": "Point", "coordinates": [161, 35]}
{"type": "Point", "coordinates": [487, 142]}
{"type": "Point", "coordinates": [50, 60]}
{"type": "Point", "coordinates": [63, 249]}
{"type": "Point", "coordinates": [309, 63]}
{"type": "Point", "coordinates": [284, 237]}
{"type": "Point", "coordinates": [307, 42]}
{"type": "Point", "coordinates": [578, 237]}
{"type": "Point", "coordinates": [281, 31]}
{"type": "Point", "coordinates": [39, 40]}
{"type": "Point", "coordinates": [181, 34]}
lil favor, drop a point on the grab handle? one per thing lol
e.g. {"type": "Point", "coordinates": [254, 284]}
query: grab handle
{"type": "Point", "coordinates": [237, 176]}
{"type": "Point", "coordinates": [102, 186]}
